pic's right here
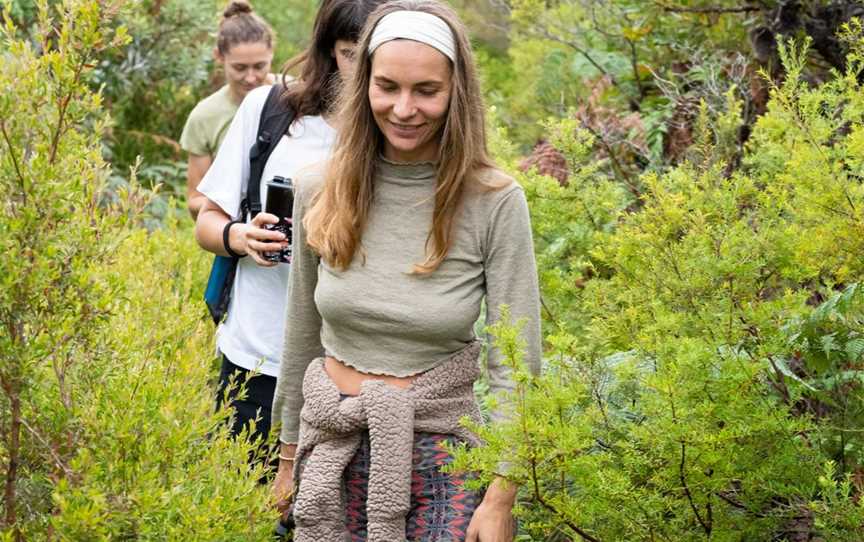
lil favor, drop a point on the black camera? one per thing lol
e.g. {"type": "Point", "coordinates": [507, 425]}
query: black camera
{"type": "Point", "coordinates": [280, 202]}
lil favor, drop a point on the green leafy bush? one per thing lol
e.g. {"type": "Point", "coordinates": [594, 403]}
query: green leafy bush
{"type": "Point", "coordinates": [703, 321]}
{"type": "Point", "coordinates": [618, 56]}
{"type": "Point", "coordinates": [152, 83]}
{"type": "Point", "coordinates": [158, 464]}
{"type": "Point", "coordinates": [704, 368]}
{"type": "Point", "coordinates": [107, 428]}
{"type": "Point", "coordinates": [292, 23]}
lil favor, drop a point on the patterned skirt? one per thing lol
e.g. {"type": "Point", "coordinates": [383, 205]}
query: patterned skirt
{"type": "Point", "coordinates": [441, 507]}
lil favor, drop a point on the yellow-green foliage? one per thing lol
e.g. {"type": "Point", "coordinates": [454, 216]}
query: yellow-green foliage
{"type": "Point", "coordinates": [107, 428]}
{"type": "Point", "coordinates": [560, 51]}
{"type": "Point", "coordinates": [157, 464]}
{"type": "Point", "coordinates": [704, 373]}
{"type": "Point", "coordinates": [292, 22]}
{"type": "Point", "coordinates": [704, 323]}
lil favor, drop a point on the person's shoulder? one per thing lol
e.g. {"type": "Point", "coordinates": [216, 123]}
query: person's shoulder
{"type": "Point", "coordinates": [312, 126]}
{"type": "Point", "coordinates": [316, 121]}
{"type": "Point", "coordinates": [495, 179]}
{"type": "Point", "coordinates": [212, 106]}
{"type": "Point", "coordinates": [490, 186]}
{"type": "Point", "coordinates": [308, 181]}
{"type": "Point", "coordinates": [250, 110]}
{"type": "Point", "coordinates": [206, 120]}
{"type": "Point", "coordinates": [255, 99]}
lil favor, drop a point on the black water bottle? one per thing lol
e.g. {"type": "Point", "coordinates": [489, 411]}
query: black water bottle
{"type": "Point", "coordinates": [280, 202]}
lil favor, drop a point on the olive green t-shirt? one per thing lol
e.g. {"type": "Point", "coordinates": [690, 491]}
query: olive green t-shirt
{"type": "Point", "coordinates": [208, 123]}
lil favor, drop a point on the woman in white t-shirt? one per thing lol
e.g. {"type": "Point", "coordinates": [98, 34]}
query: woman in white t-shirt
{"type": "Point", "coordinates": [250, 340]}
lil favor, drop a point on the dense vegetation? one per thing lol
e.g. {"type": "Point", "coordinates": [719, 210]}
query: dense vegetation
{"type": "Point", "coordinates": [694, 170]}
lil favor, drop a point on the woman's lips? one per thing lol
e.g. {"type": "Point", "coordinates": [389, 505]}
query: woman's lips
{"type": "Point", "coordinates": [406, 130]}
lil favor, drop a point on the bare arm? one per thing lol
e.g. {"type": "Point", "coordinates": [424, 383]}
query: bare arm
{"type": "Point", "coordinates": [283, 485]}
{"type": "Point", "coordinates": [196, 167]}
{"type": "Point", "coordinates": [251, 239]}
{"type": "Point", "coordinates": [493, 519]}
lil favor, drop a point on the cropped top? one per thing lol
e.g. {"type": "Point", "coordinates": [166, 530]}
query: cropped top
{"type": "Point", "coordinates": [378, 317]}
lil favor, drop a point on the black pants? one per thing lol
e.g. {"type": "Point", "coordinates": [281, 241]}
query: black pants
{"type": "Point", "coordinates": [256, 403]}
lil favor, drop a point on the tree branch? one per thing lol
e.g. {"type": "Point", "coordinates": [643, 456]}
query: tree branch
{"type": "Point", "coordinates": [706, 526]}
{"type": "Point", "coordinates": [779, 383]}
{"type": "Point", "coordinates": [542, 31]}
{"type": "Point", "coordinates": [575, 46]}
{"type": "Point", "coordinates": [539, 498]}
{"type": "Point", "coordinates": [634, 64]}
{"type": "Point", "coordinates": [21, 180]}
{"type": "Point", "coordinates": [617, 167]}
{"type": "Point", "coordinates": [707, 9]}
{"type": "Point", "coordinates": [51, 449]}
{"type": "Point", "coordinates": [549, 312]}
{"type": "Point", "coordinates": [13, 448]}
{"type": "Point", "coordinates": [64, 106]}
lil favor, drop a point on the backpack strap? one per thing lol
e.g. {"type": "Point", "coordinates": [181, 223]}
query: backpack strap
{"type": "Point", "coordinates": [276, 118]}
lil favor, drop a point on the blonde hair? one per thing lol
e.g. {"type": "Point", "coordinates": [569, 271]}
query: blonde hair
{"type": "Point", "coordinates": [337, 217]}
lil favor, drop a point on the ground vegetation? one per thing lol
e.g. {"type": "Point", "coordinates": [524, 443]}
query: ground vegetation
{"type": "Point", "coordinates": [694, 172]}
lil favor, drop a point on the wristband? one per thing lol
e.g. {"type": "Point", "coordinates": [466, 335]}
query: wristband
{"type": "Point", "coordinates": [225, 232]}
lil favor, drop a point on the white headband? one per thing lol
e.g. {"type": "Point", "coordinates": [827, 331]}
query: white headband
{"type": "Point", "coordinates": [416, 26]}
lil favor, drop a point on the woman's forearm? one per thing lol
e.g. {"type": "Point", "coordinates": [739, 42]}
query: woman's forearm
{"type": "Point", "coordinates": [287, 451]}
{"type": "Point", "coordinates": [209, 229]}
{"type": "Point", "coordinates": [501, 492]}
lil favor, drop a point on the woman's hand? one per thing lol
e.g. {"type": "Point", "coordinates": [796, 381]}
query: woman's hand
{"type": "Point", "coordinates": [283, 485]}
{"type": "Point", "coordinates": [493, 519]}
{"type": "Point", "coordinates": [252, 239]}
{"type": "Point", "coordinates": [243, 239]}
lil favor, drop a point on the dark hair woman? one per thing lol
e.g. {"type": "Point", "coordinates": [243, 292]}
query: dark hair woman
{"type": "Point", "coordinates": [397, 241]}
{"type": "Point", "coordinates": [251, 337]}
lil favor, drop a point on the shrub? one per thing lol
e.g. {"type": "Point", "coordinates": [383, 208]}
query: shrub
{"type": "Point", "coordinates": [106, 422]}
{"type": "Point", "coordinates": [704, 380]}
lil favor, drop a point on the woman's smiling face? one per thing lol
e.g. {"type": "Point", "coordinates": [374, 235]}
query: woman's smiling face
{"type": "Point", "coordinates": [246, 67]}
{"type": "Point", "coordinates": [409, 93]}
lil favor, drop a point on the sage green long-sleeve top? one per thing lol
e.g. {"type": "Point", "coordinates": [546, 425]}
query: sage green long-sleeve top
{"type": "Point", "coordinates": [378, 317]}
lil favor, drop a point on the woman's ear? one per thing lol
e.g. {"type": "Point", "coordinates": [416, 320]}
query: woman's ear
{"type": "Point", "coordinates": [217, 56]}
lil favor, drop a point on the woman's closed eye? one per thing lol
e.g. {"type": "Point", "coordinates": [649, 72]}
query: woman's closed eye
{"type": "Point", "coordinates": [387, 87]}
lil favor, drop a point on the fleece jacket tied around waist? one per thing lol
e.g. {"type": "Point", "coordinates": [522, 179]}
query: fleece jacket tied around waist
{"type": "Point", "coordinates": [330, 433]}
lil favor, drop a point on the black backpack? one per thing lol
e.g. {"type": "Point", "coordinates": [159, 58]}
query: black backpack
{"type": "Point", "coordinates": [275, 119]}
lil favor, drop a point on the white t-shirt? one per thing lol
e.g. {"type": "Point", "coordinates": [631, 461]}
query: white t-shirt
{"type": "Point", "coordinates": [252, 335]}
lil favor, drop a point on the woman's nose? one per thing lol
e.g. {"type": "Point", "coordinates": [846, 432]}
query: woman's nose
{"type": "Point", "coordinates": [404, 107]}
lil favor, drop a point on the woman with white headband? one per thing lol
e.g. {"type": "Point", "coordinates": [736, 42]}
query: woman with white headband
{"type": "Point", "coordinates": [397, 240]}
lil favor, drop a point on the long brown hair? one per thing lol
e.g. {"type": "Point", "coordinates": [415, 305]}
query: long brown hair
{"type": "Point", "coordinates": [336, 221]}
{"type": "Point", "coordinates": [318, 84]}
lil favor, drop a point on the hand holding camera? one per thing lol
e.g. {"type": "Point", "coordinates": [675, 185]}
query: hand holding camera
{"type": "Point", "coordinates": [280, 204]}
{"type": "Point", "coordinates": [267, 238]}
{"type": "Point", "coordinates": [255, 239]}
